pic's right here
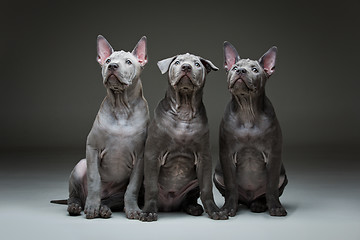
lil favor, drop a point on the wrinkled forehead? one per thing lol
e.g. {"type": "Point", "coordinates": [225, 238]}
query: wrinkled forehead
{"type": "Point", "coordinates": [248, 63]}
{"type": "Point", "coordinates": [188, 58]}
{"type": "Point", "coordinates": [122, 55]}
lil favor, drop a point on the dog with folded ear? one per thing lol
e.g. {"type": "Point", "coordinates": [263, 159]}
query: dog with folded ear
{"type": "Point", "coordinates": [177, 158]}
{"type": "Point", "coordinates": [250, 170]}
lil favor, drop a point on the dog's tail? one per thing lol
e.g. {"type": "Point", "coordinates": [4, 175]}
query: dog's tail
{"type": "Point", "coordinates": [63, 201]}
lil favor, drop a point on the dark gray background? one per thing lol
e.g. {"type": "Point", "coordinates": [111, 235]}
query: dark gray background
{"type": "Point", "coordinates": [51, 84]}
{"type": "Point", "coordinates": [51, 90]}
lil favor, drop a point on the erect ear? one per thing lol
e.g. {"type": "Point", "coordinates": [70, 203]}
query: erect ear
{"type": "Point", "coordinates": [267, 61]}
{"type": "Point", "coordinates": [104, 49]}
{"type": "Point", "coordinates": [165, 64]}
{"type": "Point", "coordinates": [208, 65]}
{"type": "Point", "coordinates": [231, 56]}
{"type": "Point", "coordinates": [140, 51]}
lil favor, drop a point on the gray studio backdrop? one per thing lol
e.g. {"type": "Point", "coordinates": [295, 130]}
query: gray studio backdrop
{"type": "Point", "coordinates": [51, 85]}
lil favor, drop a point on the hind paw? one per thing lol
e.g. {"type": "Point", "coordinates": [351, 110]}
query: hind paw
{"type": "Point", "coordinates": [194, 210]}
{"type": "Point", "coordinates": [74, 209]}
{"type": "Point", "coordinates": [258, 206]}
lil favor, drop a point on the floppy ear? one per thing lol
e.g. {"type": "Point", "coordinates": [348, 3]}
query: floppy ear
{"type": "Point", "coordinates": [104, 49]}
{"type": "Point", "coordinates": [140, 51]}
{"type": "Point", "coordinates": [208, 65]}
{"type": "Point", "coordinates": [165, 64]}
{"type": "Point", "coordinates": [231, 56]}
{"type": "Point", "coordinates": [267, 61]}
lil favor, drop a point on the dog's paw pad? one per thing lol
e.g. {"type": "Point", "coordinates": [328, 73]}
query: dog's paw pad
{"type": "Point", "coordinates": [74, 209]}
{"type": "Point", "coordinates": [279, 212]}
{"type": "Point", "coordinates": [194, 210]}
{"type": "Point", "coordinates": [105, 211]}
{"type": "Point", "coordinates": [148, 216]}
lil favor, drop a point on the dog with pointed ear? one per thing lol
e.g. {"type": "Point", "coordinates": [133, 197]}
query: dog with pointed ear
{"type": "Point", "coordinates": [120, 68]}
{"type": "Point", "coordinates": [110, 176]}
{"type": "Point", "coordinates": [250, 170]}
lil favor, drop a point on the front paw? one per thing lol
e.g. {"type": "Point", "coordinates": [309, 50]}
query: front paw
{"type": "Point", "coordinates": [218, 215]}
{"type": "Point", "coordinates": [92, 210]}
{"type": "Point", "coordinates": [215, 213]}
{"type": "Point", "coordinates": [105, 211]}
{"type": "Point", "coordinates": [230, 209]}
{"type": "Point", "coordinates": [148, 216]}
{"type": "Point", "coordinates": [133, 213]}
{"type": "Point", "coordinates": [277, 211]}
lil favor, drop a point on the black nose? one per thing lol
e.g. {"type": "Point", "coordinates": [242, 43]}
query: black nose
{"type": "Point", "coordinates": [113, 66]}
{"type": "Point", "coordinates": [241, 70]}
{"type": "Point", "coordinates": [186, 67]}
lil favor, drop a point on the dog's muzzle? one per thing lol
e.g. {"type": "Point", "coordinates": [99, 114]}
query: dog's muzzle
{"type": "Point", "coordinates": [185, 84]}
{"type": "Point", "coordinates": [114, 83]}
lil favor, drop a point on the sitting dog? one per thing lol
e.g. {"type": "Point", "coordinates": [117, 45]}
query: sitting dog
{"type": "Point", "coordinates": [115, 145]}
{"type": "Point", "coordinates": [177, 159]}
{"type": "Point", "coordinates": [250, 170]}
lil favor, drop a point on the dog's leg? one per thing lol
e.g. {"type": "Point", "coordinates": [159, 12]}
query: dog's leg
{"type": "Point", "coordinates": [204, 171]}
{"type": "Point", "coordinates": [190, 205]}
{"type": "Point", "coordinates": [273, 168]}
{"type": "Point", "coordinates": [93, 200]}
{"type": "Point", "coordinates": [132, 209]}
{"type": "Point", "coordinates": [77, 192]}
{"type": "Point", "coordinates": [151, 179]}
{"type": "Point", "coordinates": [228, 165]}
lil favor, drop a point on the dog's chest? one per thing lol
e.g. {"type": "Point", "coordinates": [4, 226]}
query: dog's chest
{"type": "Point", "coordinates": [184, 133]}
{"type": "Point", "coordinates": [250, 131]}
{"type": "Point", "coordinates": [122, 126]}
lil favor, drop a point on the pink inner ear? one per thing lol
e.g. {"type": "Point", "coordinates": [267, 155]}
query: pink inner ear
{"type": "Point", "coordinates": [140, 52]}
{"type": "Point", "coordinates": [269, 62]}
{"type": "Point", "coordinates": [229, 62]}
{"type": "Point", "coordinates": [230, 58]}
{"type": "Point", "coordinates": [104, 51]}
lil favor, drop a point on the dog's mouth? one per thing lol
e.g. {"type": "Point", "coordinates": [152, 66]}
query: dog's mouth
{"type": "Point", "coordinates": [185, 84]}
{"type": "Point", "coordinates": [114, 83]}
{"type": "Point", "coordinates": [242, 85]}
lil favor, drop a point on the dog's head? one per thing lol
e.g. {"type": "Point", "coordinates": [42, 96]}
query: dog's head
{"type": "Point", "coordinates": [119, 68]}
{"type": "Point", "coordinates": [245, 76]}
{"type": "Point", "coordinates": [187, 72]}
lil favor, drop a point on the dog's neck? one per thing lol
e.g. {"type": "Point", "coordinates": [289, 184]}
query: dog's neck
{"type": "Point", "coordinates": [248, 107]}
{"type": "Point", "coordinates": [120, 103]}
{"type": "Point", "coordinates": [184, 105]}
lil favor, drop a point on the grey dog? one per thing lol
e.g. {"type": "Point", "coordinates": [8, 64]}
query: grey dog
{"type": "Point", "coordinates": [111, 174]}
{"type": "Point", "coordinates": [250, 171]}
{"type": "Point", "coordinates": [177, 156]}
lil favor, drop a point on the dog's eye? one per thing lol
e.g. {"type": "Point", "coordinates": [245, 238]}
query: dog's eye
{"type": "Point", "coordinates": [235, 68]}
{"type": "Point", "coordinates": [128, 62]}
{"type": "Point", "coordinates": [197, 64]}
{"type": "Point", "coordinates": [177, 63]}
{"type": "Point", "coordinates": [108, 60]}
{"type": "Point", "coordinates": [255, 70]}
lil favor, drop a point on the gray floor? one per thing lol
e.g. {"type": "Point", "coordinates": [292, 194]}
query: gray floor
{"type": "Point", "coordinates": [322, 200]}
